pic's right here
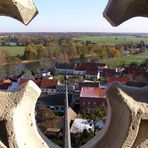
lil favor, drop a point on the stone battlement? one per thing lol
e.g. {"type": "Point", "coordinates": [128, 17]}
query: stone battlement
{"type": "Point", "coordinates": [127, 119]}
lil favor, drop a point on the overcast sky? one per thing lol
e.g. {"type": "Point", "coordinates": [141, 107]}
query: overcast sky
{"type": "Point", "coordinates": [71, 16]}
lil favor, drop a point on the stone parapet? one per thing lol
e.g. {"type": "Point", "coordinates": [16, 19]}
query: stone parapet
{"type": "Point", "coordinates": [22, 10]}
{"type": "Point", "coordinates": [119, 11]}
{"type": "Point", "coordinates": [17, 119]}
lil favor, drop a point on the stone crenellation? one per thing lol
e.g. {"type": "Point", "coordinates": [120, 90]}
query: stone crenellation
{"type": "Point", "coordinates": [127, 119]}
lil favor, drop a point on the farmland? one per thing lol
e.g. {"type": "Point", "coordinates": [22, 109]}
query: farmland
{"type": "Point", "coordinates": [139, 58]}
{"type": "Point", "coordinates": [111, 39]}
{"type": "Point", "coordinates": [13, 50]}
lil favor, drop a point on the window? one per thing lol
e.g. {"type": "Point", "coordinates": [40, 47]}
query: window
{"type": "Point", "coordinates": [94, 103]}
{"type": "Point", "coordinates": [83, 103]}
{"type": "Point", "coordinates": [83, 111]}
{"type": "Point", "coordinates": [62, 108]}
{"type": "Point", "coordinates": [56, 107]}
{"type": "Point", "coordinates": [88, 103]}
{"type": "Point", "coordinates": [88, 110]}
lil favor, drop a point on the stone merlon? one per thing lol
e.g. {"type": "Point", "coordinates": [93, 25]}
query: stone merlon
{"type": "Point", "coordinates": [22, 10]}
{"type": "Point", "coordinates": [119, 11]}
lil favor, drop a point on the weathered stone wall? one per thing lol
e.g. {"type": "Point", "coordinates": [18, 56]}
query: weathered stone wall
{"type": "Point", "coordinates": [17, 119]}
{"type": "Point", "coordinates": [119, 11]}
{"type": "Point", "coordinates": [22, 10]}
{"type": "Point", "coordinates": [127, 119]}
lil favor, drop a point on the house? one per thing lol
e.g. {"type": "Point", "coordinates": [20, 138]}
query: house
{"type": "Point", "coordinates": [91, 97]}
{"type": "Point", "coordinates": [65, 68]}
{"type": "Point", "coordinates": [75, 98]}
{"type": "Point", "coordinates": [89, 70]}
{"type": "Point", "coordinates": [91, 74]}
{"type": "Point", "coordinates": [26, 76]}
{"type": "Point", "coordinates": [56, 102]}
{"type": "Point", "coordinates": [37, 82]}
{"type": "Point", "coordinates": [88, 84]}
{"type": "Point", "coordinates": [5, 84]}
{"type": "Point", "coordinates": [45, 74]}
{"type": "Point", "coordinates": [122, 80]}
{"type": "Point", "coordinates": [103, 72]}
{"type": "Point", "coordinates": [61, 88]}
{"type": "Point", "coordinates": [46, 85]}
{"type": "Point", "coordinates": [49, 86]}
{"type": "Point", "coordinates": [79, 69]}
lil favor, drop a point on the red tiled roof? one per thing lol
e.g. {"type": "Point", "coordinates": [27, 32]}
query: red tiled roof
{"type": "Point", "coordinates": [122, 80]}
{"type": "Point", "coordinates": [7, 81]}
{"type": "Point", "coordinates": [5, 84]}
{"type": "Point", "coordinates": [49, 83]}
{"type": "Point", "coordinates": [90, 68]}
{"type": "Point", "coordinates": [42, 83]}
{"type": "Point", "coordinates": [37, 82]}
{"type": "Point", "coordinates": [92, 92]}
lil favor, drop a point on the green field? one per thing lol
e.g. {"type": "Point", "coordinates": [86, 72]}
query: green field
{"type": "Point", "coordinates": [13, 50]}
{"type": "Point", "coordinates": [111, 39]}
{"type": "Point", "coordinates": [126, 60]}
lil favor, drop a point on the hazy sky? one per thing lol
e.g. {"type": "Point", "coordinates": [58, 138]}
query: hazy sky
{"type": "Point", "coordinates": [71, 16]}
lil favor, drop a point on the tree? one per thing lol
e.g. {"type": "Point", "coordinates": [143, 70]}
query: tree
{"type": "Point", "coordinates": [30, 53]}
{"type": "Point", "coordinates": [44, 114]}
{"type": "Point", "coordinates": [142, 44]}
{"type": "Point", "coordinates": [35, 51]}
{"type": "Point", "coordinates": [113, 52]}
{"type": "Point", "coordinates": [146, 62]}
{"type": "Point", "coordinates": [101, 53]}
{"type": "Point", "coordinates": [82, 58]}
{"type": "Point", "coordinates": [96, 114]}
{"type": "Point", "coordinates": [3, 58]}
{"type": "Point", "coordinates": [41, 51]}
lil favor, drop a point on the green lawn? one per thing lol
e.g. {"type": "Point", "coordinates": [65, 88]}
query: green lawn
{"type": "Point", "coordinates": [127, 60]}
{"type": "Point", "coordinates": [111, 39]}
{"type": "Point", "coordinates": [13, 50]}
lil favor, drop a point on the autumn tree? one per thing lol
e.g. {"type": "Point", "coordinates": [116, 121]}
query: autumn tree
{"type": "Point", "coordinates": [34, 51]}
{"type": "Point", "coordinates": [44, 114]}
{"type": "Point", "coordinates": [82, 58]}
{"type": "Point", "coordinates": [3, 57]}
{"type": "Point", "coordinates": [41, 51]}
{"type": "Point", "coordinates": [113, 52]}
{"type": "Point", "coordinates": [101, 53]}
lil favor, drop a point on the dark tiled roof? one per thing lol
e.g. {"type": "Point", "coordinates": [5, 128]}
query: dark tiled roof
{"type": "Point", "coordinates": [57, 99]}
{"type": "Point", "coordinates": [109, 70]}
{"type": "Point", "coordinates": [137, 84]}
{"type": "Point", "coordinates": [122, 80]}
{"type": "Point", "coordinates": [4, 86]}
{"type": "Point", "coordinates": [89, 66]}
{"type": "Point", "coordinates": [65, 66]}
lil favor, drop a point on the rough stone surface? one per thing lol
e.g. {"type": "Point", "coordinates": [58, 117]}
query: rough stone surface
{"type": "Point", "coordinates": [118, 11]}
{"type": "Point", "coordinates": [17, 119]}
{"type": "Point", "coordinates": [127, 120]}
{"type": "Point", "coordinates": [22, 10]}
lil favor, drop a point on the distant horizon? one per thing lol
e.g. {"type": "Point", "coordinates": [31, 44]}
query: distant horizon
{"type": "Point", "coordinates": [78, 32]}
